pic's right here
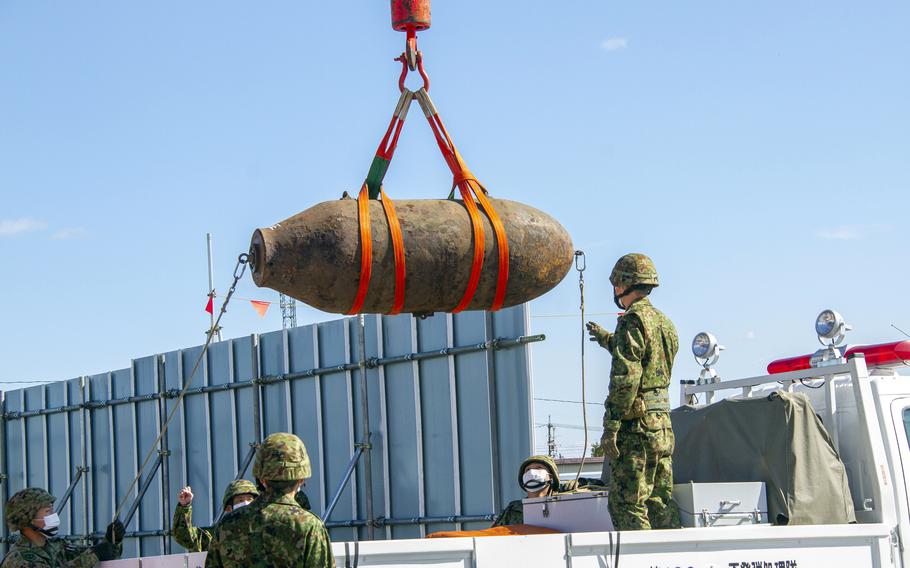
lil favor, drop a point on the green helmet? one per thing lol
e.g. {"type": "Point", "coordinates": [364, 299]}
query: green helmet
{"type": "Point", "coordinates": [238, 487]}
{"type": "Point", "coordinates": [24, 505]}
{"type": "Point", "coordinates": [634, 268]}
{"type": "Point", "coordinates": [545, 461]}
{"type": "Point", "coordinates": [282, 457]}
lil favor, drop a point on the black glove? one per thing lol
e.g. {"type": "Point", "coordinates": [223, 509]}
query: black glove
{"type": "Point", "coordinates": [105, 550]}
{"type": "Point", "coordinates": [115, 532]}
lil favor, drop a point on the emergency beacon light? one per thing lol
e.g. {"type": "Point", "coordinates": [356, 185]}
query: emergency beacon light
{"type": "Point", "coordinates": [830, 325]}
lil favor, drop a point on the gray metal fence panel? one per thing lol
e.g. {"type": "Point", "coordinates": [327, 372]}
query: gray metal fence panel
{"type": "Point", "coordinates": [59, 462]}
{"type": "Point", "coordinates": [102, 472]}
{"type": "Point", "coordinates": [36, 437]}
{"type": "Point", "coordinates": [513, 401]}
{"type": "Point", "coordinates": [148, 425]}
{"type": "Point", "coordinates": [438, 402]}
{"type": "Point", "coordinates": [449, 412]}
{"type": "Point", "coordinates": [405, 451]}
{"type": "Point", "coordinates": [337, 421]}
{"type": "Point", "coordinates": [303, 351]}
{"type": "Point", "coordinates": [475, 437]}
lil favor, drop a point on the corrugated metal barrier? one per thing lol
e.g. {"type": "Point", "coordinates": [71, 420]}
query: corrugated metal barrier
{"type": "Point", "coordinates": [450, 412]}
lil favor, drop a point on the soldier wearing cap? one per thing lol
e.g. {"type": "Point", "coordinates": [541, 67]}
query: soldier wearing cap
{"type": "Point", "coordinates": [274, 530]}
{"type": "Point", "coordinates": [239, 493]}
{"type": "Point", "coordinates": [31, 513]}
{"type": "Point", "coordinates": [638, 437]}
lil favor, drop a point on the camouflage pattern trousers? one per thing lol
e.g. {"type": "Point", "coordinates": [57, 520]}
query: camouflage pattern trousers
{"type": "Point", "coordinates": [641, 481]}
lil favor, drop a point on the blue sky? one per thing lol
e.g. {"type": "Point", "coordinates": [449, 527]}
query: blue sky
{"type": "Point", "coordinates": [759, 152]}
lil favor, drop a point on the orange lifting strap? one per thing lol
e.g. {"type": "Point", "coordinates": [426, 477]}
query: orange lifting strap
{"type": "Point", "coordinates": [371, 189]}
{"type": "Point", "coordinates": [366, 250]}
{"type": "Point", "coordinates": [467, 183]}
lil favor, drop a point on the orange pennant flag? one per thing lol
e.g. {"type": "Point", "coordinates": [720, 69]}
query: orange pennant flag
{"type": "Point", "coordinates": [260, 307]}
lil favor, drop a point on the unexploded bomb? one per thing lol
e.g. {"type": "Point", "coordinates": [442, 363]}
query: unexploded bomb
{"type": "Point", "coordinates": [315, 255]}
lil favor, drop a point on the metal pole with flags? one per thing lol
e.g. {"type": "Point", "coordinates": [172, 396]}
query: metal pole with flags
{"type": "Point", "coordinates": [210, 306]}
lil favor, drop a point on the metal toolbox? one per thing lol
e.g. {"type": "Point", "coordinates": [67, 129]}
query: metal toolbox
{"type": "Point", "coordinates": [721, 504]}
{"type": "Point", "coordinates": [571, 512]}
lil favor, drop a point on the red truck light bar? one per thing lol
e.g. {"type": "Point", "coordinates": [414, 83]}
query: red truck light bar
{"type": "Point", "coordinates": [895, 353]}
{"type": "Point", "coordinates": [790, 364]}
{"type": "Point", "coordinates": [882, 355]}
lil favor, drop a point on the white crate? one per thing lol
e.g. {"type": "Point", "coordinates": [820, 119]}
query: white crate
{"type": "Point", "coordinates": [573, 512]}
{"type": "Point", "coordinates": [721, 504]}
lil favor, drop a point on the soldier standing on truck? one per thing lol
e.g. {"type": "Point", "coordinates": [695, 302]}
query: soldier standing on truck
{"type": "Point", "coordinates": [274, 530]}
{"type": "Point", "coordinates": [31, 512]}
{"type": "Point", "coordinates": [239, 493]}
{"type": "Point", "coordinates": [638, 436]}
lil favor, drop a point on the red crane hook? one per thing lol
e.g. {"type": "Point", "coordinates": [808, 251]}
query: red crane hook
{"type": "Point", "coordinates": [411, 16]}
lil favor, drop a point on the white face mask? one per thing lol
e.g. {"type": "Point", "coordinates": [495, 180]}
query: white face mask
{"type": "Point", "coordinates": [535, 479]}
{"type": "Point", "coordinates": [51, 522]}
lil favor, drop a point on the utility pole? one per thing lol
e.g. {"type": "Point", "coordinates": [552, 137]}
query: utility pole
{"type": "Point", "coordinates": [288, 311]}
{"type": "Point", "coordinates": [551, 437]}
{"type": "Point", "coordinates": [208, 242]}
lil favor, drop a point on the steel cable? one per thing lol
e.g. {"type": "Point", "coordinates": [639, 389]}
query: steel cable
{"type": "Point", "coordinates": [580, 265]}
{"type": "Point", "coordinates": [239, 271]}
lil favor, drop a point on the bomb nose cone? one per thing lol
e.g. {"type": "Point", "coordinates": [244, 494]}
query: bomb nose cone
{"type": "Point", "coordinates": [258, 257]}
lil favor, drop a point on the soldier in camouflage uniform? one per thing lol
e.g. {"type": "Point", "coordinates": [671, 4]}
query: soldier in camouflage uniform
{"type": "Point", "coordinates": [29, 511]}
{"type": "Point", "coordinates": [239, 493]}
{"type": "Point", "coordinates": [638, 436]}
{"type": "Point", "coordinates": [545, 482]}
{"type": "Point", "coordinates": [274, 530]}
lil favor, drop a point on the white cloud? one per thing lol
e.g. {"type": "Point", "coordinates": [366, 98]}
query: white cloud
{"type": "Point", "coordinates": [70, 233]}
{"type": "Point", "coordinates": [614, 43]}
{"type": "Point", "coordinates": [843, 233]}
{"type": "Point", "coordinates": [10, 227]}
{"type": "Point", "coordinates": [750, 334]}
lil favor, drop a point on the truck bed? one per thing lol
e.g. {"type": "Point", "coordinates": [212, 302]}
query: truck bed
{"type": "Point", "coordinates": [823, 546]}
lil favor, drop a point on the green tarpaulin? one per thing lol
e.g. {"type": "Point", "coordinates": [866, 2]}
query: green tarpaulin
{"type": "Point", "coordinates": [779, 440]}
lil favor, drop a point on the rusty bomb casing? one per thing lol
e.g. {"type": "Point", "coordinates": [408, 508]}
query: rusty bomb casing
{"type": "Point", "coordinates": [314, 256]}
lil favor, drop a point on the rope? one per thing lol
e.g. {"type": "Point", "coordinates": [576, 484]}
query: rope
{"type": "Point", "coordinates": [239, 270]}
{"type": "Point", "coordinates": [580, 265]}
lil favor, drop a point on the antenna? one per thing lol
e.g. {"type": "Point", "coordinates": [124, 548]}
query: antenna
{"type": "Point", "coordinates": [288, 311]}
{"type": "Point", "coordinates": [551, 437]}
{"type": "Point", "coordinates": [900, 330]}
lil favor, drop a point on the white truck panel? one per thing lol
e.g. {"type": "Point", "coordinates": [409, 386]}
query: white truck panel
{"type": "Point", "coordinates": [828, 546]}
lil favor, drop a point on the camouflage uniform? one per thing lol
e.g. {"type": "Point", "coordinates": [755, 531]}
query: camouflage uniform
{"type": "Point", "coordinates": [274, 530]}
{"type": "Point", "coordinates": [513, 514]}
{"type": "Point", "coordinates": [198, 540]}
{"type": "Point", "coordinates": [55, 553]}
{"type": "Point", "coordinates": [637, 407]}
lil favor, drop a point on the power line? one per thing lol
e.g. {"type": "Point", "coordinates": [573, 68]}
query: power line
{"type": "Point", "coordinates": [572, 315]}
{"type": "Point", "coordinates": [569, 426]}
{"type": "Point", "coordinates": [567, 401]}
